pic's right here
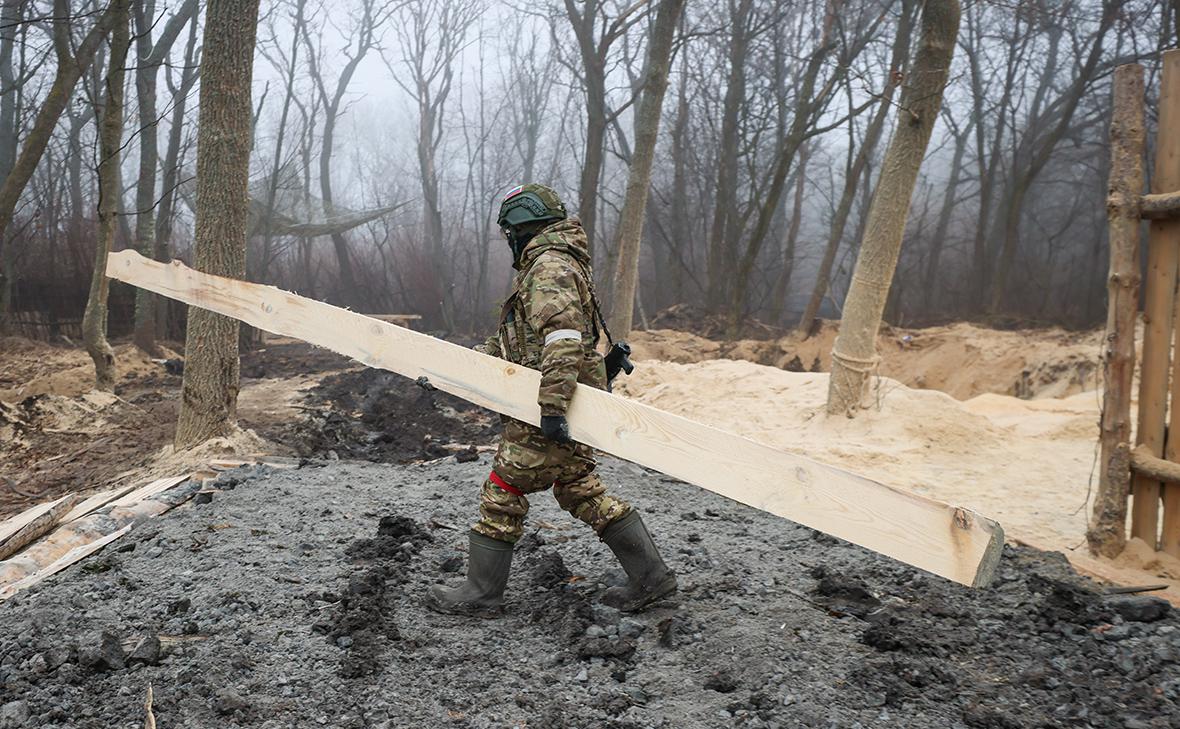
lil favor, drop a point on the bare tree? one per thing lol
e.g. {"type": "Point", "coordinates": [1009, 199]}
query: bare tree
{"type": "Point", "coordinates": [859, 160]}
{"type": "Point", "coordinates": [362, 39]}
{"type": "Point", "coordinates": [854, 353]}
{"type": "Point", "coordinates": [431, 37]}
{"type": "Point", "coordinates": [596, 33]}
{"type": "Point", "coordinates": [647, 126]}
{"type": "Point", "coordinates": [150, 57]}
{"type": "Point", "coordinates": [211, 378]}
{"type": "Point", "coordinates": [94, 321]}
{"type": "Point", "coordinates": [71, 64]}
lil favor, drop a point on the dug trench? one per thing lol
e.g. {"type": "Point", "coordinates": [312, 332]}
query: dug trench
{"type": "Point", "coordinates": [294, 599]}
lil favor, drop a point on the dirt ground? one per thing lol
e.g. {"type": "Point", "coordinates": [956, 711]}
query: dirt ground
{"type": "Point", "coordinates": [58, 436]}
{"type": "Point", "coordinates": [319, 622]}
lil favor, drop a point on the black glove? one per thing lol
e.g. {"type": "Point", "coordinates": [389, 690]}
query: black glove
{"type": "Point", "coordinates": [424, 383]}
{"type": "Point", "coordinates": [555, 428]}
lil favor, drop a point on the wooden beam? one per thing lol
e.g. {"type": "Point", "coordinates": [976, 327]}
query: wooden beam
{"type": "Point", "coordinates": [946, 540]}
{"type": "Point", "coordinates": [1107, 534]}
{"type": "Point", "coordinates": [1152, 466]}
{"type": "Point", "coordinates": [1162, 205]}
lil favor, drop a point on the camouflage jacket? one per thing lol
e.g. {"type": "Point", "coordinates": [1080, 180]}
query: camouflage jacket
{"type": "Point", "coordinates": [549, 320]}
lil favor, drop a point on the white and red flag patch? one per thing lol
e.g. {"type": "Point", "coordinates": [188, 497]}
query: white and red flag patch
{"type": "Point", "coordinates": [514, 191]}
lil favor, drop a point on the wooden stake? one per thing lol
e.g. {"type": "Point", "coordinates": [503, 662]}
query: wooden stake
{"type": "Point", "coordinates": [1166, 234]}
{"type": "Point", "coordinates": [948, 541]}
{"type": "Point", "coordinates": [1107, 534]}
{"type": "Point", "coordinates": [1158, 314]}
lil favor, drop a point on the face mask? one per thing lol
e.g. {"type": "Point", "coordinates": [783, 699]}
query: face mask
{"type": "Point", "coordinates": [516, 243]}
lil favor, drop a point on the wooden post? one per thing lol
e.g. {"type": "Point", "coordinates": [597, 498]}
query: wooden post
{"type": "Point", "coordinates": [1107, 534]}
{"type": "Point", "coordinates": [1165, 233]}
{"type": "Point", "coordinates": [1153, 375]}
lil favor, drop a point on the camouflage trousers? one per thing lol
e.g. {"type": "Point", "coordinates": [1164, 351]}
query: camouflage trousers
{"type": "Point", "coordinates": [527, 462]}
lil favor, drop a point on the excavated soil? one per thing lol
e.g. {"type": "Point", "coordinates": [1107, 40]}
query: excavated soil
{"type": "Point", "coordinates": [375, 415]}
{"type": "Point", "coordinates": [293, 599]}
{"type": "Point", "coordinates": [963, 360]}
{"type": "Point", "coordinates": [59, 436]}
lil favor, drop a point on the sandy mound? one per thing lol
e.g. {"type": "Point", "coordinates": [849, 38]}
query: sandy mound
{"type": "Point", "coordinates": [962, 360]}
{"type": "Point", "coordinates": [36, 368]}
{"type": "Point", "coordinates": [1024, 463]}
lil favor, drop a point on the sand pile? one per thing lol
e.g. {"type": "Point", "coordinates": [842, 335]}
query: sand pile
{"type": "Point", "coordinates": [1025, 463]}
{"type": "Point", "coordinates": [1030, 464]}
{"type": "Point", "coordinates": [36, 368]}
{"type": "Point", "coordinates": [962, 360]}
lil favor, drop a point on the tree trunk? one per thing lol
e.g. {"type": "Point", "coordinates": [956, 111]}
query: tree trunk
{"type": "Point", "coordinates": [595, 138]}
{"type": "Point", "coordinates": [146, 78]}
{"type": "Point", "coordinates": [782, 284]}
{"type": "Point", "coordinates": [900, 53]}
{"type": "Point", "coordinates": [647, 127]}
{"type": "Point", "coordinates": [944, 221]}
{"type": "Point", "coordinates": [144, 334]}
{"type": "Point", "coordinates": [211, 380]}
{"type": "Point", "coordinates": [110, 142]}
{"type": "Point", "coordinates": [718, 259]}
{"type": "Point", "coordinates": [854, 354]}
{"type": "Point", "coordinates": [10, 17]}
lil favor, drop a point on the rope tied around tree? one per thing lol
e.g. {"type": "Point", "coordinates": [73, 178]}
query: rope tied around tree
{"type": "Point", "coordinates": [857, 364]}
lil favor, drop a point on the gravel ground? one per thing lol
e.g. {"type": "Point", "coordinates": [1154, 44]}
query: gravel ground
{"type": "Point", "coordinates": [294, 600]}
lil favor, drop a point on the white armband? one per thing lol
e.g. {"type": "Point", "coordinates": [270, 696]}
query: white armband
{"type": "Point", "coordinates": [558, 335]}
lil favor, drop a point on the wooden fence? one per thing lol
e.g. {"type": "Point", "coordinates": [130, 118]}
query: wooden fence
{"type": "Point", "coordinates": [1149, 471]}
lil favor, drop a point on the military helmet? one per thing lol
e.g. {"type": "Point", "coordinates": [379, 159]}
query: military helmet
{"type": "Point", "coordinates": [530, 203]}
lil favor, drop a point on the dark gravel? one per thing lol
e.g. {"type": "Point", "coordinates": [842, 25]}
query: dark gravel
{"type": "Point", "coordinates": [294, 600]}
{"type": "Point", "coordinates": [375, 415]}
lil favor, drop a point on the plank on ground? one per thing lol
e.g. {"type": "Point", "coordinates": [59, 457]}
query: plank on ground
{"type": "Point", "coordinates": [18, 522]}
{"type": "Point", "coordinates": [38, 526]}
{"type": "Point", "coordinates": [67, 559]}
{"type": "Point", "coordinates": [948, 541]}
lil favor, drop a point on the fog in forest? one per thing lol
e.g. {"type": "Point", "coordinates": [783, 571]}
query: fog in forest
{"type": "Point", "coordinates": [386, 133]}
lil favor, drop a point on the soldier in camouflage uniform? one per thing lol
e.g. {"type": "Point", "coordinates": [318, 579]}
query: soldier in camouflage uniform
{"type": "Point", "coordinates": [550, 323]}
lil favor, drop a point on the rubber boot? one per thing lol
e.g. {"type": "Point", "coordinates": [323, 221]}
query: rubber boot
{"type": "Point", "coordinates": [482, 594]}
{"type": "Point", "coordinates": [648, 578]}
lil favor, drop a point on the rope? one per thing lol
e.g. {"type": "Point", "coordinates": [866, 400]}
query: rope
{"type": "Point", "coordinates": [856, 364]}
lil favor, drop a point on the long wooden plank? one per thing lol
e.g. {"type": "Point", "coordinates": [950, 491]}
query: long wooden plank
{"type": "Point", "coordinates": [948, 541]}
{"type": "Point", "coordinates": [149, 490]}
{"type": "Point", "coordinates": [96, 502]}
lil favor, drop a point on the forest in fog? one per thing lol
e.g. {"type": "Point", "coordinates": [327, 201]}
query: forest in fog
{"type": "Point", "coordinates": [387, 131]}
